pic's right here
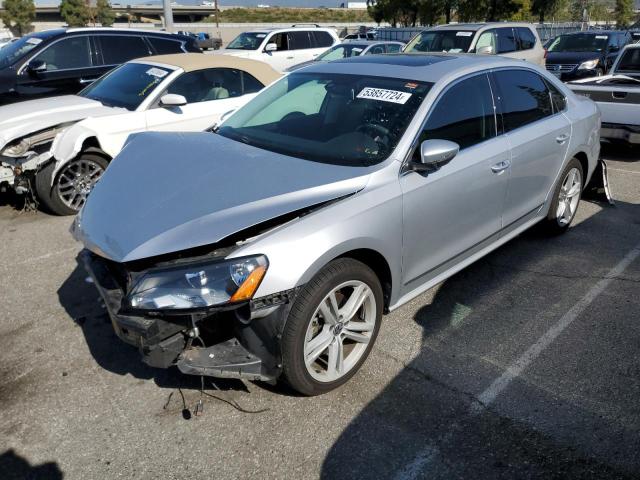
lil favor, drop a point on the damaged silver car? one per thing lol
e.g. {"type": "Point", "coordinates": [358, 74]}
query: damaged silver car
{"type": "Point", "coordinates": [272, 248]}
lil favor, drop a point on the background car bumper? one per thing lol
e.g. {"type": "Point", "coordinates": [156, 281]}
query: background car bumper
{"type": "Point", "coordinates": [627, 133]}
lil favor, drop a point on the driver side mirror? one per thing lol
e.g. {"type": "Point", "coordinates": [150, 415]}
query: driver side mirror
{"type": "Point", "coordinates": [614, 48]}
{"type": "Point", "coordinates": [434, 154]}
{"type": "Point", "coordinates": [270, 47]}
{"type": "Point", "coordinates": [37, 66]}
{"type": "Point", "coordinates": [485, 50]}
{"type": "Point", "coordinates": [172, 100]}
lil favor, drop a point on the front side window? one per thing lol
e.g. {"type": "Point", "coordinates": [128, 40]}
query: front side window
{"type": "Point", "coordinates": [247, 41]}
{"type": "Point", "coordinates": [345, 50]}
{"type": "Point", "coordinates": [579, 42]}
{"type": "Point", "coordinates": [524, 97]}
{"type": "Point", "coordinates": [117, 49]}
{"type": "Point", "coordinates": [487, 39]}
{"type": "Point", "coordinates": [453, 41]}
{"type": "Point", "coordinates": [351, 120]}
{"type": "Point", "coordinates": [630, 61]}
{"type": "Point", "coordinates": [126, 86]}
{"type": "Point", "coordinates": [299, 40]}
{"type": "Point", "coordinates": [281, 40]}
{"type": "Point", "coordinates": [527, 39]}
{"type": "Point", "coordinates": [506, 40]}
{"type": "Point", "coordinates": [376, 50]}
{"type": "Point", "coordinates": [464, 114]}
{"type": "Point", "coordinates": [67, 54]}
{"type": "Point", "coordinates": [393, 48]}
{"type": "Point", "coordinates": [209, 84]}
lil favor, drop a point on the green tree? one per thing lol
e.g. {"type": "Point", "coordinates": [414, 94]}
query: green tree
{"type": "Point", "coordinates": [18, 15]}
{"type": "Point", "coordinates": [545, 8]}
{"type": "Point", "coordinates": [624, 13]}
{"type": "Point", "coordinates": [104, 14]}
{"type": "Point", "coordinates": [75, 12]}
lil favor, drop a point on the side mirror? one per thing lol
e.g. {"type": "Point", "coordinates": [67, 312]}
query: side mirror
{"type": "Point", "coordinates": [434, 154]}
{"type": "Point", "coordinates": [614, 48]}
{"type": "Point", "coordinates": [485, 50]}
{"type": "Point", "coordinates": [37, 66]}
{"type": "Point", "coordinates": [172, 100]}
{"type": "Point", "coordinates": [270, 47]}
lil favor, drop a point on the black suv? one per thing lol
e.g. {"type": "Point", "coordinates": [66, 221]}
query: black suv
{"type": "Point", "coordinates": [585, 54]}
{"type": "Point", "coordinates": [64, 61]}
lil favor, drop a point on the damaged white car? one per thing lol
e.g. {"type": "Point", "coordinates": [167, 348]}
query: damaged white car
{"type": "Point", "coordinates": [59, 147]}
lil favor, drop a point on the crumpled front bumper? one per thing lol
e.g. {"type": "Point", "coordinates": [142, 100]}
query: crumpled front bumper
{"type": "Point", "coordinates": [237, 346]}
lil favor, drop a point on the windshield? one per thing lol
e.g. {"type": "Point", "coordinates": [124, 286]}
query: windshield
{"type": "Point", "coordinates": [454, 41]}
{"type": "Point", "coordinates": [630, 61]}
{"type": "Point", "coordinates": [341, 51]}
{"type": "Point", "coordinates": [579, 42]}
{"type": "Point", "coordinates": [341, 119]}
{"type": "Point", "coordinates": [126, 86]}
{"type": "Point", "coordinates": [247, 41]}
{"type": "Point", "coordinates": [14, 51]}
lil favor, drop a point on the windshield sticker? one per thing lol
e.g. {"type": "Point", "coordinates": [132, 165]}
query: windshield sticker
{"type": "Point", "coordinates": [261, 35]}
{"type": "Point", "coordinates": [384, 95]}
{"type": "Point", "coordinates": [151, 84]}
{"type": "Point", "coordinates": [411, 85]}
{"type": "Point", "coordinates": [34, 40]}
{"type": "Point", "coordinates": [601, 37]}
{"type": "Point", "coordinates": [156, 72]}
{"type": "Point", "coordinates": [464, 34]}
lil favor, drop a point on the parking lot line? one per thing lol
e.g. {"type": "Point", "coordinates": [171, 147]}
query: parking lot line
{"type": "Point", "coordinates": [428, 454]}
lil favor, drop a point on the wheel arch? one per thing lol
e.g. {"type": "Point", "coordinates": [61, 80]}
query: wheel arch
{"type": "Point", "coordinates": [89, 143]}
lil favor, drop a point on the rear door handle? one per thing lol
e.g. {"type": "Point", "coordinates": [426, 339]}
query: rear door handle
{"type": "Point", "coordinates": [562, 138]}
{"type": "Point", "coordinates": [500, 166]}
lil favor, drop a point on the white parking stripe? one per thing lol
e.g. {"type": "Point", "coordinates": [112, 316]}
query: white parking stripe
{"type": "Point", "coordinates": [427, 455]}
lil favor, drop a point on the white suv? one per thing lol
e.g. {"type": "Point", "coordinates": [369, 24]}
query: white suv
{"type": "Point", "coordinates": [515, 40]}
{"type": "Point", "coordinates": [284, 47]}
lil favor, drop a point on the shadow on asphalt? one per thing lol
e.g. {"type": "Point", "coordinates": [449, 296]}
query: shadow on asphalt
{"type": "Point", "coordinates": [424, 412]}
{"type": "Point", "coordinates": [620, 152]}
{"type": "Point", "coordinates": [14, 467]}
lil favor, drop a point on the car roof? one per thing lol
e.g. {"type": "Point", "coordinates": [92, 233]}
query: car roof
{"type": "Point", "coordinates": [291, 29]}
{"type": "Point", "coordinates": [365, 42]}
{"type": "Point", "coordinates": [595, 32]}
{"type": "Point", "coordinates": [478, 26]}
{"type": "Point", "coordinates": [413, 66]}
{"type": "Point", "coordinates": [121, 31]}
{"type": "Point", "coordinates": [190, 62]}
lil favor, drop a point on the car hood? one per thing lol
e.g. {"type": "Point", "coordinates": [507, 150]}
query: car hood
{"type": "Point", "coordinates": [168, 192]}
{"type": "Point", "coordinates": [571, 57]}
{"type": "Point", "coordinates": [235, 53]}
{"type": "Point", "coordinates": [24, 118]}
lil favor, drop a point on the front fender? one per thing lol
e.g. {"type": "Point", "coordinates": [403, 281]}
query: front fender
{"type": "Point", "coordinates": [68, 144]}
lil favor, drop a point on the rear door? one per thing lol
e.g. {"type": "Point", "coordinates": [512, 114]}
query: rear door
{"type": "Point", "coordinates": [70, 65]}
{"type": "Point", "coordinates": [538, 137]}
{"type": "Point", "coordinates": [450, 213]}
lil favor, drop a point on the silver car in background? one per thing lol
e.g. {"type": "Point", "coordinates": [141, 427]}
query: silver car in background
{"type": "Point", "coordinates": [272, 248]}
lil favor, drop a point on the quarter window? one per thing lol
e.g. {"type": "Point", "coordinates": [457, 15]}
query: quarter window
{"type": "Point", "coordinates": [67, 54]}
{"type": "Point", "coordinates": [117, 49]}
{"type": "Point", "coordinates": [524, 97]}
{"type": "Point", "coordinates": [506, 40]}
{"type": "Point", "coordinates": [558, 100]}
{"type": "Point", "coordinates": [527, 39]}
{"type": "Point", "coordinates": [464, 114]}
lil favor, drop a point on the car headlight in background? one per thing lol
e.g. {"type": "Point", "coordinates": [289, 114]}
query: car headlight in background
{"type": "Point", "coordinates": [589, 64]}
{"type": "Point", "coordinates": [200, 285]}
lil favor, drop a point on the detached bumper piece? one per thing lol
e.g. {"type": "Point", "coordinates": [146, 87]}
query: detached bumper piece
{"type": "Point", "coordinates": [226, 359]}
{"type": "Point", "coordinates": [598, 187]}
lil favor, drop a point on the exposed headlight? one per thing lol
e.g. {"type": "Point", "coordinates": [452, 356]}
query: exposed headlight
{"type": "Point", "coordinates": [588, 65]}
{"type": "Point", "coordinates": [199, 285]}
{"type": "Point", "coordinates": [40, 140]}
{"type": "Point", "coordinates": [17, 149]}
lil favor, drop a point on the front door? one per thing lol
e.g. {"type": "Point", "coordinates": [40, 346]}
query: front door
{"type": "Point", "coordinates": [451, 212]}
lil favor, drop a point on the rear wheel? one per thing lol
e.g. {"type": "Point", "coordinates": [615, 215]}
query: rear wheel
{"type": "Point", "coordinates": [72, 184]}
{"type": "Point", "coordinates": [331, 327]}
{"type": "Point", "coordinates": [566, 199]}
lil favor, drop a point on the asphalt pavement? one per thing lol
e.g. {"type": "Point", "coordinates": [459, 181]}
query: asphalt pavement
{"type": "Point", "coordinates": [524, 365]}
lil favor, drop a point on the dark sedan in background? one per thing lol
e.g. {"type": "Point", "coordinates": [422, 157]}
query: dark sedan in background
{"type": "Point", "coordinates": [572, 56]}
{"type": "Point", "coordinates": [64, 61]}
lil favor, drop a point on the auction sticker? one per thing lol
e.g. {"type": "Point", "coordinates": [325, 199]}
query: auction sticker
{"type": "Point", "coordinates": [34, 40]}
{"type": "Point", "coordinates": [464, 34]}
{"type": "Point", "coordinates": [384, 95]}
{"type": "Point", "coordinates": [157, 72]}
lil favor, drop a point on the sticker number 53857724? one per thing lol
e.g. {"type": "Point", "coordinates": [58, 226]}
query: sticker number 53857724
{"type": "Point", "coordinates": [384, 95]}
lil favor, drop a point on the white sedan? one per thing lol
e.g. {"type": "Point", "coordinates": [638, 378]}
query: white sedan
{"type": "Point", "coordinates": [60, 146]}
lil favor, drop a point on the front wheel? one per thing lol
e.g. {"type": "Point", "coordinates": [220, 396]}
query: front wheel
{"type": "Point", "coordinates": [331, 327]}
{"type": "Point", "coordinates": [72, 184]}
{"type": "Point", "coordinates": [566, 198]}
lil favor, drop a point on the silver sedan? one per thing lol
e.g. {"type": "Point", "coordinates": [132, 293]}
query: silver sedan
{"type": "Point", "coordinates": [272, 248]}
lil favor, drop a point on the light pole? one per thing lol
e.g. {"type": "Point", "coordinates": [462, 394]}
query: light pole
{"type": "Point", "coordinates": [168, 15]}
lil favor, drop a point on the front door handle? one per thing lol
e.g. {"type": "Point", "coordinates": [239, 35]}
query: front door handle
{"type": "Point", "coordinates": [562, 138]}
{"type": "Point", "coordinates": [500, 166]}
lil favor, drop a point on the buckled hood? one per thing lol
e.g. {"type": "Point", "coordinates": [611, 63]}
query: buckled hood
{"type": "Point", "coordinates": [170, 192]}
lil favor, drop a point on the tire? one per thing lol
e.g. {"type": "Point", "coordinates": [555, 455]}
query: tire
{"type": "Point", "coordinates": [49, 192]}
{"type": "Point", "coordinates": [559, 219]}
{"type": "Point", "coordinates": [306, 324]}
{"type": "Point", "coordinates": [599, 72]}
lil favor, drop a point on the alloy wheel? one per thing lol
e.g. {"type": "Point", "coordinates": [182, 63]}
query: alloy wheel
{"type": "Point", "coordinates": [569, 197]}
{"type": "Point", "coordinates": [76, 180]}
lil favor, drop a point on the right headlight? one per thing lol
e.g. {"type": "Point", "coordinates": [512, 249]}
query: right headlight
{"type": "Point", "coordinates": [199, 285]}
{"type": "Point", "coordinates": [589, 64]}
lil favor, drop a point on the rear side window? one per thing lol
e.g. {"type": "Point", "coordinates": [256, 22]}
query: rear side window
{"type": "Point", "coordinates": [376, 50]}
{"type": "Point", "coordinates": [213, 84]}
{"type": "Point", "coordinates": [250, 84]}
{"type": "Point", "coordinates": [322, 39]}
{"type": "Point", "coordinates": [506, 40]}
{"type": "Point", "coordinates": [117, 49]}
{"type": "Point", "coordinates": [163, 46]}
{"type": "Point", "coordinates": [464, 114]}
{"type": "Point", "coordinates": [393, 48]}
{"type": "Point", "coordinates": [299, 40]}
{"type": "Point", "coordinates": [527, 39]}
{"type": "Point", "coordinates": [67, 54]}
{"type": "Point", "coordinates": [524, 97]}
